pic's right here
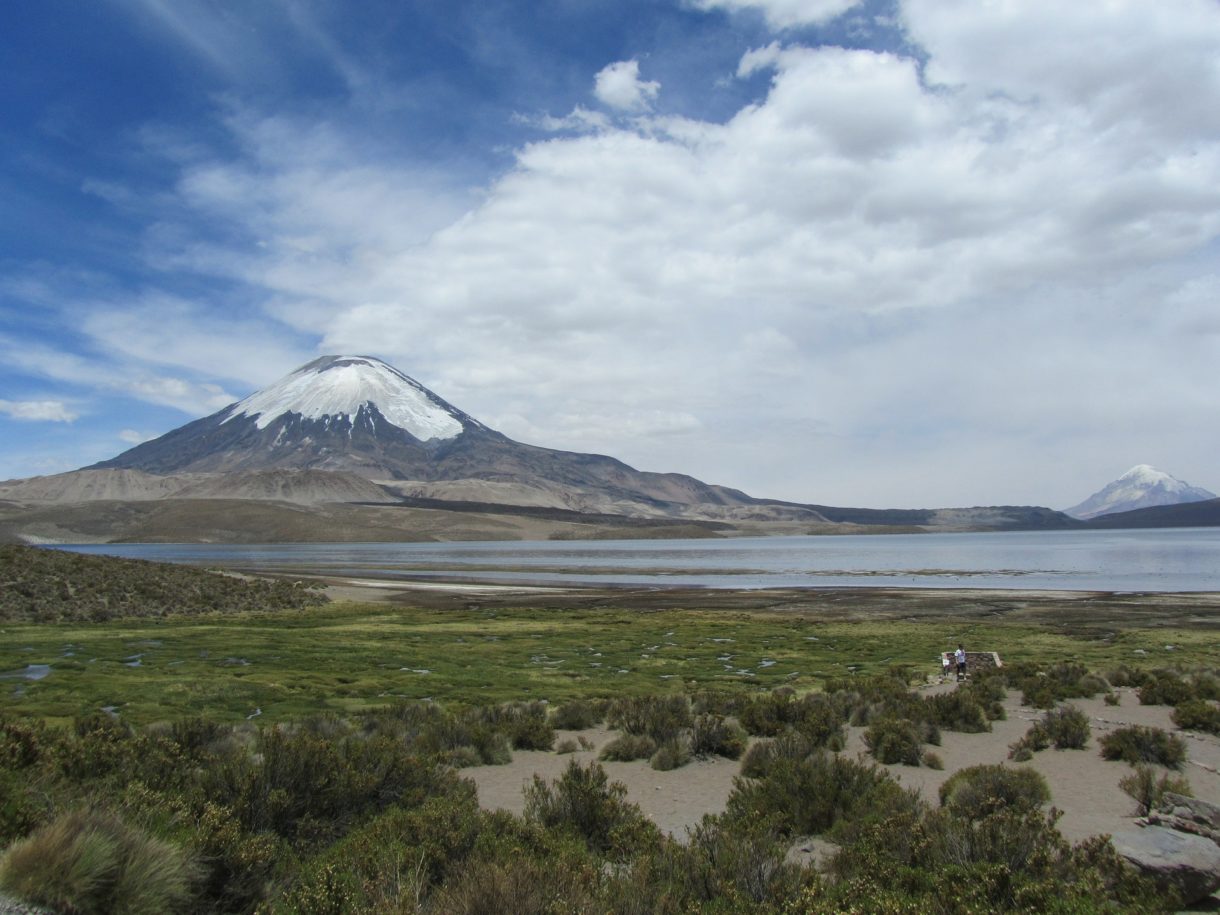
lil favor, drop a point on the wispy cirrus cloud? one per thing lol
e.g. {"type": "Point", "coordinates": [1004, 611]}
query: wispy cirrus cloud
{"type": "Point", "coordinates": [783, 14]}
{"type": "Point", "coordinates": [53, 411]}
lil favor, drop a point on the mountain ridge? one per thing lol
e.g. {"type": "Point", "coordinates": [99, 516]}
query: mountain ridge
{"type": "Point", "coordinates": [356, 432]}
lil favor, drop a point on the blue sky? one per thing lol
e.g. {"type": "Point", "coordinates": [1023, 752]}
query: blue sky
{"type": "Point", "coordinates": [907, 253]}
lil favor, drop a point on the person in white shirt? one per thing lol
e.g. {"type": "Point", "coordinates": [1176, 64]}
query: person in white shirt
{"type": "Point", "coordinates": [960, 657]}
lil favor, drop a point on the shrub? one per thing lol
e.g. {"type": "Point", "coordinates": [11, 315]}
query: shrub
{"type": "Point", "coordinates": [577, 715]}
{"type": "Point", "coordinates": [961, 711]}
{"type": "Point", "coordinates": [389, 863]}
{"type": "Point", "coordinates": [1112, 699]}
{"type": "Point", "coordinates": [1140, 744]}
{"type": "Point", "coordinates": [511, 883]}
{"type": "Point", "coordinates": [978, 791]}
{"type": "Point", "coordinates": [567, 745]}
{"type": "Point", "coordinates": [660, 717]}
{"type": "Point", "coordinates": [769, 714]}
{"type": "Point", "coordinates": [21, 743]}
{"type": "Point", "coordinates": [1067, 727]}
{"type": "Point", "coordinates": [445, 733]}
{"type": "Point", "coordinates": [1165, 688]}
{"type": "Point", "coordinates": [933, 760]}
{"type": "Point", "coordinates": [670, 755]}
{"type": "Point", "coordinates": [1043, 688]}
{"type": "Point", "coordinates": [585, 802]}
{"type": "Point", "coordinates": [629, 747]}
{"type": "Point", "coordinates": [1197, 715]}
{"type": "Point", "coordinates": [720, 861]}
{"type": "Point", "coordinates": [1011, 860]}
{"type": "Point", "coordinates": [1146, 789]}
{"type": "Point", "coordinates": [1123, 675]}
{"type": "Point", "coordinates": [894, 740]}
{"type": "Point", "coordinates": [712, 735]}
{"type": "Point", "coordinates": [793, 746]}
{"type": "Point", "coordinates": [810, 795]}
{"type": "Point", "coordinates": [91, 862]}
{"type": "Point", "coordinates": [524, 724]}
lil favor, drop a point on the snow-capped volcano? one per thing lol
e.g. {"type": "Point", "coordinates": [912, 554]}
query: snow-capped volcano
{"type": "Point", "coordinates": [358, 415]}
{"type": "Point", "coordinates": [1140, 487]}
{"type": "Point", "coordinates": [342, 386]}
{"type": "Point", "coordinates": [347, 413]}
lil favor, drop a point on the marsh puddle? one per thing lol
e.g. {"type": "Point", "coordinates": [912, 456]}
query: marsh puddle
{"type": "Point", "coordinates": [29, 672]}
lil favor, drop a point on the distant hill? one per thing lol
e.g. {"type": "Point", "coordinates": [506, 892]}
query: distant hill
{"type": "Point", "coordinates": [45, 585]}
{"type": "Point", "coordinates": [1189, 514]}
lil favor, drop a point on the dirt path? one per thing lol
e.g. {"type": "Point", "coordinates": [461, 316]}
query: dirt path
{"type": "Point", "coordinates": [1083, 785]}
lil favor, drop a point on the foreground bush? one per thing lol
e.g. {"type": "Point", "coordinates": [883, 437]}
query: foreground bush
{"type": "Point", "coordinates": [584, 801]}
{"type": "Point", "coordinates": [92, 863]}
{"type": "Point", "coordinates": [1140, 744]}
{"type": "Point", "coordinates": [810, 795]}
{"type": "Point", "coordinates": [1011, 859]}
{"type": "Point", "coordinates": [977, 791]}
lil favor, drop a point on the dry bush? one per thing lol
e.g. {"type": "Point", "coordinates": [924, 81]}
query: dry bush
{"type": "Point", "coordinates": [1146, 789]}
{"type": "Point", "coordinates": [1140, 744]}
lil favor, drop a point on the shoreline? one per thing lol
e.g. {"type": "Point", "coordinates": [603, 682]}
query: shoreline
{"type": "Point", "coordinates": [1084, 611]}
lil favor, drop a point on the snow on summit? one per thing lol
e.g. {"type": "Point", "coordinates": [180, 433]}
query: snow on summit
{"type": "Point", "coordinates": [338, 386]}
{"type": "Point", "coordinates": [1142, 486]}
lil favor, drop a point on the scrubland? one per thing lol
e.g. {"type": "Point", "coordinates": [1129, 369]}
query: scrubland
{"type": "Point", "coordinates": [313, 759]}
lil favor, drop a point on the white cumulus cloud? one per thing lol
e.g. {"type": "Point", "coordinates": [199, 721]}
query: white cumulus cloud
{"type": "Point", "coordinates": [994, 258]}
{"type": "Point", "coordinates": [619, 86]}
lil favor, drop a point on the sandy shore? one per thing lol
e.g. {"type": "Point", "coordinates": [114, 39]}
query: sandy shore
{"type": "Point", "coordinates": [1083, 785]}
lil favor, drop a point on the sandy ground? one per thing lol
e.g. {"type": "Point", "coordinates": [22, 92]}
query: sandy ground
{"type": "Point", "coordinates": [1083, 785]}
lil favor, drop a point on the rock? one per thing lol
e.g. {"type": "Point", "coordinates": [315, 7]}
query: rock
{"type": "Point", "coordinates": [1192, 809]}
{"type": "Point", "coordinates": [1188, 864]}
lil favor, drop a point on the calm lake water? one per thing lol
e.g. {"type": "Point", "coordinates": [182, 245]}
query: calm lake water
{"type": "Point", "coordinates": [1153, 560]}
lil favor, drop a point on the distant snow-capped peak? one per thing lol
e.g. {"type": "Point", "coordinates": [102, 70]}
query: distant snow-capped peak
{"type": "Point", "coordinates": [338, 386]}
{"type": "Point", "coordinates": [1143, 486]}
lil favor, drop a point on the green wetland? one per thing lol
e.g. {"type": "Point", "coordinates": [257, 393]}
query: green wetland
{"type": "Point", "coordinates": [350, 656]}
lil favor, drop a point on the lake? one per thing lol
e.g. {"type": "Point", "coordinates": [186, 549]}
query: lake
{"type": "Point", "coordinates": [1183, 559]}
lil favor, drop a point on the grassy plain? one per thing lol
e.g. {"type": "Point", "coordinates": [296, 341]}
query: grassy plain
{"type": "Point", "coordinates": [350, 656]}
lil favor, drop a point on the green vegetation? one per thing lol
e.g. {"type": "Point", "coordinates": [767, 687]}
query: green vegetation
{"type": "Point", "coordinates": [1064, 728]}
{"type": "Point", "coordinates": [366, 813]}
{"type": "Point", "coordinates": [308, 761]}
{"type": "Point", "coordinates": [93, 863]}
{"type": "Point", "coordinates": [49, 585]}
{"type": "Point", "coordinates": [344, 658]}
{"type": "Point", "coordinates": [1139, 744]}
{"type": "Point", "coordinates": [1146, 788]}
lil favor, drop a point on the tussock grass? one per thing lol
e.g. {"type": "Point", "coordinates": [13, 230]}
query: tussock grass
{"type": "Point", "coordinates": [92, 863]}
